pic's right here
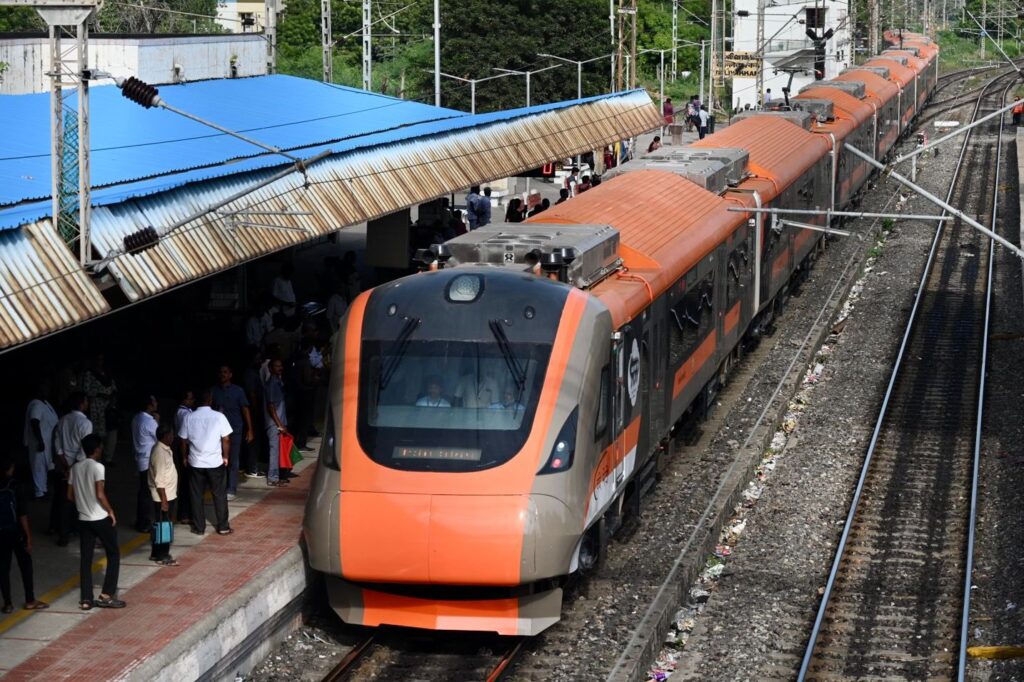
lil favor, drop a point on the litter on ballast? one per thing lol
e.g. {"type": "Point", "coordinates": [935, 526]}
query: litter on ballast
{"type": "Point", "coordinates": [699, 594]}
{"type": "Point", "coordinates": [712, 572]}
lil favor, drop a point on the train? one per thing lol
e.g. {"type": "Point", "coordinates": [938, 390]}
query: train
{"type": "Point", "coordinates": [493, 419]}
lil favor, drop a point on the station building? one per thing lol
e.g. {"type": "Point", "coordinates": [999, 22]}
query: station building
{"type": "Point", "coordinates": [789, 53]}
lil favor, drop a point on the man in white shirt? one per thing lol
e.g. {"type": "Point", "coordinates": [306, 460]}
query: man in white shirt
{"type": "Point", "coordinates": [337, 304]}
{"type": "Point", "coordinates": [143, 430]}
{"type": "Point", "coordinates": [204, 441]}
{"type": "Point", "coordinates": [96, 521]}
{"type": "Point", "coordinates": [40, 424]}
{"type": "Point", "coordinates": [283, 291]}
{"type": "Point", "coordinates": [71, 429]}
{"type": "Point", "coordinates": [185, 407]}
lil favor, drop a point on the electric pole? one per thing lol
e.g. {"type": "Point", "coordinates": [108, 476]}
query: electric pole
{"type": "Point", "coordinates": [270, 31]}
{"type": "Point", "coordinates": [69, 124]}
{"type": "Point", "coordinates": [873, 23]}
{"type": "Point", "coordinates": [325, 40]}
{"type": "Point", "coordinates": [367, 46]}
{"type": "Point", "coordinates": [675, 38]}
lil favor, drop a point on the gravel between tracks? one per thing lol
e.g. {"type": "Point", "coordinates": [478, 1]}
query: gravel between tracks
{"type": "Point", "coordinates": [756, 622]}
{"type": "Point", "coordinates": [997, 607]}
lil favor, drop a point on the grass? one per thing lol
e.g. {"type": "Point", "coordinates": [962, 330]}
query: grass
{"type": "Point", "coordinates": [958, 50]}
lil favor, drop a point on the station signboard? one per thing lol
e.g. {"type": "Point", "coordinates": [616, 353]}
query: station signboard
{"type": "Point", "coordinates": [743, 64]}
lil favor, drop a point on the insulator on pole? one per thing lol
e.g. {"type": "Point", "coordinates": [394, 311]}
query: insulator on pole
{"type": "Point", "coordinates": [139, 241]}
{"type": "Point", "coordinates": [140, 92]}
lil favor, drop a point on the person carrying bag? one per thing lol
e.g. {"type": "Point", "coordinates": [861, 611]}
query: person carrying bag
{"type": "Point", "coordinates": [163, 488]}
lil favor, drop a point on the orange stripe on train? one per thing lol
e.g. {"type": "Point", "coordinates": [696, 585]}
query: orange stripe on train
{"type": "Point", "coordinates": [692, 364]}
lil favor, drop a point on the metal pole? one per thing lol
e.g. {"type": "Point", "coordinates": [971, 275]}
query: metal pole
{"type": "Point", "coordinates": [937, 201]}
{"type": "Point", "coordinates": [984, 35]}
{"type": "Point", "coordinates": [56, 126]}
{"type": "Point", "coordinates": [472, 96]}
{"type": "Point", "coordinates": [675, 38]}
{"type": "Point", "coordinates": [528, 88]}
{"type": "Point", "coordinates": [437, 53]}
{"type": "Point", "coordinates": [960, 131]}
{"type": "Point", "coordinates": [367, 45]}
{"type": "Point", "coordinates": [299, 165]}
{"type": "Point", "coordinates": [325, 40]}
{"type": "Point", "coordinates": [611, 23]}
{"type": "Point", "coordinates": [84, 216]}
{"type": "Point", "coordinates": [270, 148]}
{"type": "Point", "coordinates": [270, 8]}
{"type": "Point", "coordinates": [579, 80]}
{"type": "Point", "coordinates": [662, 92]}
{"type": "Point", "coordinates": [842, 214]}
{"type": "Point", "coordinates": [702, 70]}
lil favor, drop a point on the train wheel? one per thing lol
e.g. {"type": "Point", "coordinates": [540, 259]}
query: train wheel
{"type": "Point", "coordinates": [593, 549]}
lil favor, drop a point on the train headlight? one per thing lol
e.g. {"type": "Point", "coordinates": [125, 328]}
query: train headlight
{"type": "Point", "coordinates": [564, 449]}
{"type": "Point", "coordinates": [465, 288]}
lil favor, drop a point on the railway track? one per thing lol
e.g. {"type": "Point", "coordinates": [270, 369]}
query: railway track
{"type": "Point", "coordinates": [895, 604]}
{"type": "Point", "coordinates": [463, 657]}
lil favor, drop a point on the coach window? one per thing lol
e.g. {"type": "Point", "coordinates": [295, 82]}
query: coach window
{"type": "Point", "coordinates": [739, 268]}
{"type": "Point", "coordinates": [693, 316]}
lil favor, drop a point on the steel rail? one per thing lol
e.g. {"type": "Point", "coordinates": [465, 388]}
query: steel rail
{"type": "Point", "coordinates": [506, 660]}
{"type": "Point", "coordinates": [347, 664]}
{"type": "Point", "coordinates": [976, 464]}
{"type": "Point", "coordinates": [918, 297]}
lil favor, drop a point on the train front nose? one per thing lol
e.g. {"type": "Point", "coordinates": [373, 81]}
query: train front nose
{"type": "Point", "coordinates": [487, 540]}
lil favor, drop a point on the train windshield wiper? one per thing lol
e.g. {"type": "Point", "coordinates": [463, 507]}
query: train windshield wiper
{"type": "Point", "coordinates": [514, 368]}
{"type": "Point", "coordinates": [401, 346]}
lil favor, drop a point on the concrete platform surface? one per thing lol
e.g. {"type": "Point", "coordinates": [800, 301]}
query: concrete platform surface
{"type": "Point", "coordinates": [180, 622]}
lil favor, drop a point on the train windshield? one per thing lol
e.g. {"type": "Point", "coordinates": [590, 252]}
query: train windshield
{"type": "Point", "coordinates": [448, 405]}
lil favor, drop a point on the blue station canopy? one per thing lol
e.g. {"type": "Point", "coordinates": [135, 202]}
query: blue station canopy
{"type": "Point", "coordinates": [136, 152]}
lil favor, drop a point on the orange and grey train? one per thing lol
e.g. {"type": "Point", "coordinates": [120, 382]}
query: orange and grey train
{"type": "Point", "coordinates": [490, 421]}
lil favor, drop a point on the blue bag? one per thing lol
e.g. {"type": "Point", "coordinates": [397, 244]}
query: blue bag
{"type": "Point", "coordinates": [162, 533]}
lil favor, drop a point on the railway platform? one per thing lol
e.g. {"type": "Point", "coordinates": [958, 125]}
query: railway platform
{"type": "Point", "coordinates": [221, 610]}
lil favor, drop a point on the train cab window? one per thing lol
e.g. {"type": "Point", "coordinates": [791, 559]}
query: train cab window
{"type": "Point", "coordinates": [601, 421]}
{"type": "Point", "coordinates": [436, 405]}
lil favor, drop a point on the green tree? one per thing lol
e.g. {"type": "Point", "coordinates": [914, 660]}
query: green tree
{"type": "Point", "coordinates": [20, 20]}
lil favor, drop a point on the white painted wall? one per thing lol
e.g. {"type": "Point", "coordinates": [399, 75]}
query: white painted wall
{"type": "Point", "coordinates": [151, 59]}
{"type": "Point", "coordinates": [791, 35]}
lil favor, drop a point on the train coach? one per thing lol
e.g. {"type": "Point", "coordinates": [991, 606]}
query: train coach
{"type": "Point", "coordinates": [492, 421]}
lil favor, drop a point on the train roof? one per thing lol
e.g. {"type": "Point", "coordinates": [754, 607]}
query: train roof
{"type": "Point", "coordinates": [902, 75]}
{"type": "Point", "coordinates": [666, 225]}
{"type": "Point", "coordinates": [913, 61]}
{"type": "Point", "coordinates": [780, 151]}
{"type": "Point", "coordinates": [877, 88]}
{"type": "Point", "coordinates": [844, 104]}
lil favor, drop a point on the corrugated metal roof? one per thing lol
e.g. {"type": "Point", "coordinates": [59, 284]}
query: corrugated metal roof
{"type": "Point", "coordinates": [42, 288]}
{"type": "Point", "coordinates": [349, 188]}
{"type": "Point", "coordinates": [135, 153]}
{"type": "Point", "coordinates": [129, 143]}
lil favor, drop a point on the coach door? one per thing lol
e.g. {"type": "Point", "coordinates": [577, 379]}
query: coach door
{"type": "Point", "coordinates": [619, 406]}
{"type": "Point", "coordinates": [627, 398]}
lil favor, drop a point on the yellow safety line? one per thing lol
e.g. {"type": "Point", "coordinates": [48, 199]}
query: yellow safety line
{"type": "Point", "coordinates": [68, 585]}
{"type": "Point", "coordinates": [1004, 651]}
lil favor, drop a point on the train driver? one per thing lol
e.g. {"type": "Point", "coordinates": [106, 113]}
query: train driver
{"type": "Point", "coordinates": [433, 398]}
{"type": "Point", "coordinates": [509, 402]}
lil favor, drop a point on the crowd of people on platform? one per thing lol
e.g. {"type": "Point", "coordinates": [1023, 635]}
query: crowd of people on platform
{"type": "Point", "coordinates": [217, 435]}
